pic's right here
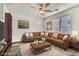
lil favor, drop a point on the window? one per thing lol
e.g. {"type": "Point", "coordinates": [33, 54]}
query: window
{"type": "Point", "coordinates": [55, 24]}
{"type": "Point", "coordinates": [62, 24]}
{"type": "Point", "coordinates": [66, 24]}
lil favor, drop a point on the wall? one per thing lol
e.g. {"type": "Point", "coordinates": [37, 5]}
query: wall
{"type": "Point", "coordinates": [74, 12]}
{"type": "Point", "coordinates": [35, 22]}
{"type": "Point", "coordinates": [1, 23]}
{"type": "Point", "coordinates": [1, 12]}
{"type": "Point", "coordinates": [35, 25]}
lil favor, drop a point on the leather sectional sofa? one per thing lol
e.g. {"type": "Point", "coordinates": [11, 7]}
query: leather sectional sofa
{"type": "Point", "coordinates": [32, 37]}
{"type": "Point", "coordinates": [58, 39]}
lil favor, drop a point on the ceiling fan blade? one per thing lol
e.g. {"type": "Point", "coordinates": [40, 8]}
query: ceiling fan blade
{"type": "Point", "coordinates": [33, 7]}
{"type": "Point", "coordinates": [41, 5]}
{"type": "Point", "coordinates": [56, 9]}
{"type": "Point", "coordinates": [48, 10]}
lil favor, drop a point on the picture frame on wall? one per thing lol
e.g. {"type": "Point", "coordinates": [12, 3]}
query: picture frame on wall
{"type": "Point", "coordinates": [49, 25]}
{"type": "Point", "coordinates": [23, 24]}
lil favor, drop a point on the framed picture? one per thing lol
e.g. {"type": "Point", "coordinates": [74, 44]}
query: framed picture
{"type": "Point", "coordinates": [49, 25]}
{"type": "Point", "coordinates": [23, 24]}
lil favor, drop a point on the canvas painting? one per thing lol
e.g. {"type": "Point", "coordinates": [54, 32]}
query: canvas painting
{"type": "Point", "coordinates": [23, 24]}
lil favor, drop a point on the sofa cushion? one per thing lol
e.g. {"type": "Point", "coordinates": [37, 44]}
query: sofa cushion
{"type": "Point", "coordinates": [60, 36]}
{"type": "Point", "coordinates": [50, 34]}
{"type": "Point", "coordinates": [59, 41]}
{"type": "Point", "coordinates": [55, 35]}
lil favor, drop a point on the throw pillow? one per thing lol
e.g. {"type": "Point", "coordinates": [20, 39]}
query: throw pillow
{"type": "Point", "coordinates": [55, 35]}
{"type": "Point", "coordinates": [64, 38]}
{"type": "Point", "coordinates": [46, 34]}
{"type": "Point", "coordinates": [42, 33]}
{"type": "Point", "coordinates": [31, 35]}
{"type": "Point", "coordinates": [27, 35]}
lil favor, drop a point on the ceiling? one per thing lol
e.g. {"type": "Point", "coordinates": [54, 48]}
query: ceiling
{"type": "Point", "coordinates": [25, 8]}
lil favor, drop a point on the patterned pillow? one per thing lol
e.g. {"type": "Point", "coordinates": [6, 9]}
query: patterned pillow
{"type": "Point", "coordinates": [55, 35]}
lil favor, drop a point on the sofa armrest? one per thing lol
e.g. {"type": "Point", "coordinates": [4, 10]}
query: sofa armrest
{"type": "Point", "coordinates": [68, 42]}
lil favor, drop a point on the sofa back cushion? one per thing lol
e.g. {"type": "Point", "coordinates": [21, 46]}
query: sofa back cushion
{"type": "Point", "coordinates": [50, 34]}
{"type": "Point", "coordinates": [55, 35]}
{"type": "Point", "coordinates": [60, 36]}
{"type": "Point", "coordinates": [36, 33]}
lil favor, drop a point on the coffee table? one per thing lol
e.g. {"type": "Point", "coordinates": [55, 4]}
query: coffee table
{"type": "Point", "coordinates": [40, 47]}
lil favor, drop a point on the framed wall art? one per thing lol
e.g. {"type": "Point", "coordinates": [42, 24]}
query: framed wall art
{"type": "Point", "coordinates": [49, 25]}
{"type": "Point", "coordinates": [23, 24]}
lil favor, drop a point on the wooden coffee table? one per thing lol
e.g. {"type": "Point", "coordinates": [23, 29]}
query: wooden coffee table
{"type": "Point", "coordinates": [40, 47]}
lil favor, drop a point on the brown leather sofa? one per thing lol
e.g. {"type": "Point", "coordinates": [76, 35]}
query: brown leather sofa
{"type": "Point", "coordinates": [59, 41]}
{"type": "Point", "coordinates": [35, 36]}
{"type": "Point", "coordinates": [25, 39]}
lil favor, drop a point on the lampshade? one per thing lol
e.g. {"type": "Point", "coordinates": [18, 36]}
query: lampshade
{"type": "Point", "coordinates": [74, 33]}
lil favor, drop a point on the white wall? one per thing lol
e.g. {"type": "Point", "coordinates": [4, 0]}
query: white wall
{"type": "Point", "coordinates": [35, 22]}
{"type": "Point", "coordinates": [1, 12]}
{"type": "Point", "coordinates": [35, 25]}
{"type": "Point", "coordinates": [74, 12]}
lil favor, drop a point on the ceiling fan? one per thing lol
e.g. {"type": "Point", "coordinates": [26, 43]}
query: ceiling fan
{"type": "Point", "coordinates": [42, 8]}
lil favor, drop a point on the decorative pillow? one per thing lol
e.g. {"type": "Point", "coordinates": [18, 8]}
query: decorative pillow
{"type": "Point", "coordinates": [31, 35]}
{"type": "Point", "coordinates": [27, 35]}
{"type": "Point", "coordinates": [66, 36]}
{"type": "Point", "coordinates": [46, 34]}
{"type": "Point", "coordinates": [42, 33]}
{"type": "Point", "coordinates": [55, 35]}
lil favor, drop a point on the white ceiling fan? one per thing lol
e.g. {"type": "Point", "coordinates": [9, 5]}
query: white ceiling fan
{"type": "Point", "coordinates": [42, 8]}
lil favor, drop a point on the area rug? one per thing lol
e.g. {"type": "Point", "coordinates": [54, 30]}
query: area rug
{"type": "Point", "coordinates": [23, 49]}
{"type": "Point", "coordinates": [15, 51]}
{"type": "Point", "coordinates": [55, 51]}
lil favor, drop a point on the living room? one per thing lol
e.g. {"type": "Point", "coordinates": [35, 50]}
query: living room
{"type": "Point", "coordinates": [54, 23]}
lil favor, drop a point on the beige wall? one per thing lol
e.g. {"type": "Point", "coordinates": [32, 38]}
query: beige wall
{"type": "Point", "coordinates": [74, 12]}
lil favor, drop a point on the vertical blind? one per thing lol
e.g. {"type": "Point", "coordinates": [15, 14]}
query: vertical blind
{"type": "Point", "coordinates": [62, 24]}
